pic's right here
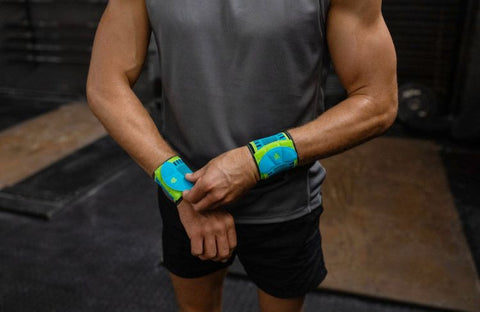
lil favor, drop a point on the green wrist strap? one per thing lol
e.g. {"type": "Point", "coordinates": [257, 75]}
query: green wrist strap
{"type": "Point", "coordinates": [171, 177]}
{"type": "Point", "coordinates": [274, 154]}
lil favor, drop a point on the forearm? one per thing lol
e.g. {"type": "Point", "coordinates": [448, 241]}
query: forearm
{"type": "Point", "coordinates": [364, 58]}
{"type": "Point", "coordinates": [229, 175]}
{"type": "Point", "coordinates": [351, 122]}
{"type": "Point", "coordinates": [130, 125]}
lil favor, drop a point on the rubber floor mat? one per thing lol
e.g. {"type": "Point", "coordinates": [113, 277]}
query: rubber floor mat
{"type": "Point", "coordinates": [48, 191]}
{"type": "Point", "coordinates": [32, 145]}
{"type": "Point", "coordinates": [390, 228]}
{"type": "Point", "coordinates": [16, 110]}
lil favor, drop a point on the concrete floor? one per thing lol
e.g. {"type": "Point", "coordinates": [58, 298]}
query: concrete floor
{"type": "Point", "coordinates": [102, 253]}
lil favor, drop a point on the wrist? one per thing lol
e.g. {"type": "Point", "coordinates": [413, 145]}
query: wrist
{"type": "Point", "coordinates": [162, 158]}
{"type": "Point", "coordinates": [251, 164]}
{"type": "Point", "coordinates": [170, 176]}
{"type": "Point", "coordinates": [273, 154]}
{"type": "Point", "coordinates": [183, 207]}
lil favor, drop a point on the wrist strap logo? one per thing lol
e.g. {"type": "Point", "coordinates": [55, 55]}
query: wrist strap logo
{"type": "Point", "coordinates": [274, 154]}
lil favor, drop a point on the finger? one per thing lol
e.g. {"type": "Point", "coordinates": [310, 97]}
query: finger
{"type": "Point", "coordinates": [196, 193]}
{"type": "Point", "coordinates": [196, 244]}
{"type": "Point", "coordinates": [232, 237]}
{"type": "Point", "coordinates": [207, 202]}
{"type": "Point", "coordinates": [193, 177]}
{"type": "Point", "coordinates": [210, 247]}
{"type": "Point", "coordinates": [223, 250]}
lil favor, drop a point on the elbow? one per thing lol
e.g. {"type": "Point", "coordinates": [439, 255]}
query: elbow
{"type": "Point", "coordinates": [389, 113]}
{"type": "Point", "coordinates": [102, 90]}
{"type": "Point", "coordinates": [97, 95]}
{"type": "Point", "coordinates": [92, 93]}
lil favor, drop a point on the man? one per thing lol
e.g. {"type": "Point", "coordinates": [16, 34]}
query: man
{"type": "Point", "coordinates": [243, 106]}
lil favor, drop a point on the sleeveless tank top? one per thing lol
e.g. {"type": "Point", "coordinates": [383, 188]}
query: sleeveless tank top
{"type": "Point", "coordinates": [237, 70]}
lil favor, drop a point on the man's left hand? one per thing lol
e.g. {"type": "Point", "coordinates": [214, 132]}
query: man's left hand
{"type": "Point", "coordinates": [222, 180]}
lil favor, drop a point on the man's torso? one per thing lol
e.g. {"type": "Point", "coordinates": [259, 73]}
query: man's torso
{"type": "Point", "coordinates": [237, 70]}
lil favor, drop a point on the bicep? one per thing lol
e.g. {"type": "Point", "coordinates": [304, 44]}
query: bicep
{"type": "Point", "coordinates": [120, 44]}
{"type": "Point", "coordinates": [361, 47]}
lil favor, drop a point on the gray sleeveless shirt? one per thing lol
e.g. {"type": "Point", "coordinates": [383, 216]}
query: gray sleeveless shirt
{"type": "Point", "coordinates": [237, 70]}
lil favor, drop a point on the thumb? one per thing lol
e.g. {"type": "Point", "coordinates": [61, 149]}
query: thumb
{"type": "Point", "coordinates": [193, 177]}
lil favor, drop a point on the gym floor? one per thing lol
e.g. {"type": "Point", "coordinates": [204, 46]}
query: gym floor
{"type": "Point", "coordinates": [103, 254]}
{"type": "Point", "coordinates": [103, 251]}
{"type": "Point", "coordinates": [84, 234]}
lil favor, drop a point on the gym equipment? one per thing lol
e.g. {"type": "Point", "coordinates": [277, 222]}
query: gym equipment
{"type": "Point", "coordinates": [418, 108]}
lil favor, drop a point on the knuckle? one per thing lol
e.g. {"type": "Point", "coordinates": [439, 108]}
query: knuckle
{"type": "Point", "coordinates": [229, 221]}
{"type": "Point", "coordinates": [220, 192]}
{"type": "Point", "coordinates": [228, 199]}
{"type": "Point", "coordinates": [207, 229]}
{"type": "Point", "coordinates": [216, 196]}
{"type": "Point", "coordinates": [196, 232]}
{"type": "Point", "coordinates": [227, 224]}
{"type": "Point", "coordinates": [209, 186]}
{"type": "Point", "coordinates": [205, 184]}
{"type": "Point", "coordinates": [200, 183]}
{"type": "Point", "coordinates": [218, 228]}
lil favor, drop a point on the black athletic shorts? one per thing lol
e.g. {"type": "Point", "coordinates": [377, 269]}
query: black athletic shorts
{"type": "Point", "coordinates": [283, 259]}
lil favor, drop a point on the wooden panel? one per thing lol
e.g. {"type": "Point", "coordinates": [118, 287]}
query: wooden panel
{"type": "Point", "coordinates": [390, 228]}
{"type": "Point", "coordinates": [36, 143]}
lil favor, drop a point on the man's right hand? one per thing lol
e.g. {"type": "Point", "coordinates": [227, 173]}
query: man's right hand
{"type": "Point", "coordinates": [212, 233]}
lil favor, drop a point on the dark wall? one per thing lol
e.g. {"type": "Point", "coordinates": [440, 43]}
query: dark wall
{"type": "Point", "coordinates": [46, 45]}
{"type": "Point", "coordinates": [467, 124]}
{"type": "Point", "coordinates": [427, 35]}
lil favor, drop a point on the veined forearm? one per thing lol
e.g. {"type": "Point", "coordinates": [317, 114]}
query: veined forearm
{"type": "Point", "coordinates": [347, 124]}
{"type": "Point", "coordinates": [131, 126]}
{"type": "Point", "coordinates": [363, 55]}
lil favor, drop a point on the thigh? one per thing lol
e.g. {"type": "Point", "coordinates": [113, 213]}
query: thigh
{"type": "Point", "coordinates": [285, 260]}
{"type": "Point", "coordinates": [270, 303]}
{"type": "Point", "coordinates": [199, 294]}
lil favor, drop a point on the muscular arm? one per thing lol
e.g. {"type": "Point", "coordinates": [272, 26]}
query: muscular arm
{"type": "Point", "coordinates": [118, 54]}
{"type": "Point", "coordinates": [364, 58]}
{"type": "Point", "coordinates": [119, 51]}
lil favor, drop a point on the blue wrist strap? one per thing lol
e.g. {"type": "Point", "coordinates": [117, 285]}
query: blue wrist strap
{"type": "Point", "coordinates": [274, 154]}
{"type": "Point", "coordinates": [171, 177]}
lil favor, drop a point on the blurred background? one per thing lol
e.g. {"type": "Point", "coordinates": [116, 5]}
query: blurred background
{"type": "Point", "coordinates": [79, 227]}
